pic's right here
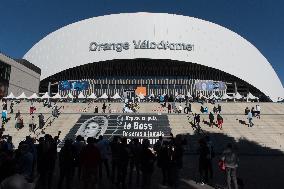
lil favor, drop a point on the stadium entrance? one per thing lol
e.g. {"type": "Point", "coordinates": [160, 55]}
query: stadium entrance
{"type": "Point", "coordinates": [157, 76]}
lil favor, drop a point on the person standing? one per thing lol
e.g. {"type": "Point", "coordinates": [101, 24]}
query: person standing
{"type": "Point", "coordinates": [247, 111]}
{"type": "Point", "coordinates": [147, 164]}
{"type": "Point", "coordinates": [109, 108]}
{"type": "Point", "coordinates": [4, 116]}
{"type": "Point", "coordinates": [19, 121]}
{"type": "Point", "coordinates": [203, 161]}
{"type": "Point", "coordinates": [219, 108]}
{"type": "Point", "coordinates": [219, 121]}
{"type": "Point", "coordinates": [197, 120]}
{"type": "Point", "coordinates": [89, 160]}
{"type": "Point", "coordinates": [104, 147]}
{"type": "Point", "coordinates": [169, 108]}
{"type": "Point", "coordinates": [250, 119]}
{"type": "Point", "coordinates": [32, 109]}
{"type": "Point", "coordinates": [211, 119]}
{"type": "Point", "coordinates": [123, 162]}
{"type": "Point", "coordinates": [4, 105]}
{"type": "Point", "coordinates": [257, 110]}
{"type": "Point", "coordinates": [12, 107]}
{"type": "Point", "coordinates": [231, 163]}
{"type": "Point", "coordinates": [104, 107]}
{"type": "Point", "coordinates": [211, 156]}
{"type": "Point", "coordinates": [180, 109]}
{"type": "Point", "coordinates": [115, 145]}
{"type": "Point", "coordinates": [32, 124]}
{"type": "Point", "coordinates": [135, 150]}
{"type": "Point", "coordinates": [66, 164]}
{"type": "Point", "coordinates": [40, 121]}
{"type": "Point", "coordinates": [96, 110]}
{"type": "Point", "coordinates": [25, 161]}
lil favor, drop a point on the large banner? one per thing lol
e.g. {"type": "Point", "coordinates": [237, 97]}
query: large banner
{"type": "Point", "coordinates": [140, 126]}
{"type": "Point", "coordinates": [73, 85]}
{"type": "Point", "coordinates": [210, 85]}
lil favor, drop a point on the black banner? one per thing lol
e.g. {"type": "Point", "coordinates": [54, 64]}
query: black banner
{"type": "Point", "coordinates": [140, 126]}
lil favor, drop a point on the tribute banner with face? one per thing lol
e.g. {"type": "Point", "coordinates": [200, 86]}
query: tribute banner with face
{"type": "Point", "coordinates": [141, 126]}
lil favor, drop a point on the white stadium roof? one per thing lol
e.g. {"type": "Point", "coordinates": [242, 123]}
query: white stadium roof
{"type": "Point", "coordinates": [214, 46]}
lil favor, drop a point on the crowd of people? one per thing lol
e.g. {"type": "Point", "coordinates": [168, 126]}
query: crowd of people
{"type": "Point", "coordinates": [122, 162]}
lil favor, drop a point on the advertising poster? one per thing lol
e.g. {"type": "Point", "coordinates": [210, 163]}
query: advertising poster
{"type": "Point", "coordinates": [149, 126]}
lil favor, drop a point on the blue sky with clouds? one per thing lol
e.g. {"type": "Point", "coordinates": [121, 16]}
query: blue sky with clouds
{"type": "Point", "coordinates": [25, 22]}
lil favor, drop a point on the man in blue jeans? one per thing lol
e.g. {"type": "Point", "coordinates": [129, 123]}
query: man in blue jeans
{"type": "Point", "coordinates": [231, 163]}
{"type": "Point", "coordinates": [250, 119]}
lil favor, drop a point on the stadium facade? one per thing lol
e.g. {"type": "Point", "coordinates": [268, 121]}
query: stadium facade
{"type": "Point", "coordinates": [18, 76]}
{"type": "Point", "coordinates": [163, 53]}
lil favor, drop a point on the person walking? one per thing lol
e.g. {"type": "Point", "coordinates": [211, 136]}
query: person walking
{"type": "Point", "coordinates": [250, 115]}
{"type": "Point", "coordinates": [230, 159]}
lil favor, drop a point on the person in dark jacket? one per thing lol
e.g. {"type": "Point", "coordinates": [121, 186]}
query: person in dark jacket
{"type": "Point", "coordinates": [219, 108]}
{"type": "Point", "coordinates": [135, 151]}
{"type": "Point", "coordinates": [176, 161]}
{"type": "Point", "coordinates": [203, 161]}
{"type": "Point", "coordinates": [89, 160]}
{"type": "Point", "coordinates": [114, 145]}
{"type": "Point", "coordinates": [123, 160]}
{"type": "Point", "coordinates": [147, 164]}
{"type": "Point", "coordinates": [66, 164]}
{"type": "Point", "coordinates": [163, 160]}
{"type": "Point", "coordinates": [169, 108]}
{"type": "Point", "coordinates": [211, 119]}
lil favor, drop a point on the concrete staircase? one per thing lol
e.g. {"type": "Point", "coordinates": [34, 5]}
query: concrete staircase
{"type": "Point", "coordinates": [267, 135]}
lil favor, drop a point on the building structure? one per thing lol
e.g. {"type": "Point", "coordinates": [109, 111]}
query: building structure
{"type": "Point", "coordinates": [165, 53]}
{"type": "Point", "coordinates": [18, 76]}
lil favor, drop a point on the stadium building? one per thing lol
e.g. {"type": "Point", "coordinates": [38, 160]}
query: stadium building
{"type": "Point", "coordinates": [154, 52]}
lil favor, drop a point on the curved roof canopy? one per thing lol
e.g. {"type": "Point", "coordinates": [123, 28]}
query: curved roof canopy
{"type": "Point", "coordinates": [165, 36]}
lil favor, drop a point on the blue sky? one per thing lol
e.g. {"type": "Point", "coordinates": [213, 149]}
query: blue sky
{"type": "Point", "coordinates": [25, 22]}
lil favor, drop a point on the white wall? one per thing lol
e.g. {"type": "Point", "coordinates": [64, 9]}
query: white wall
{"type": "Point", "coordinates": [214, 46]}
